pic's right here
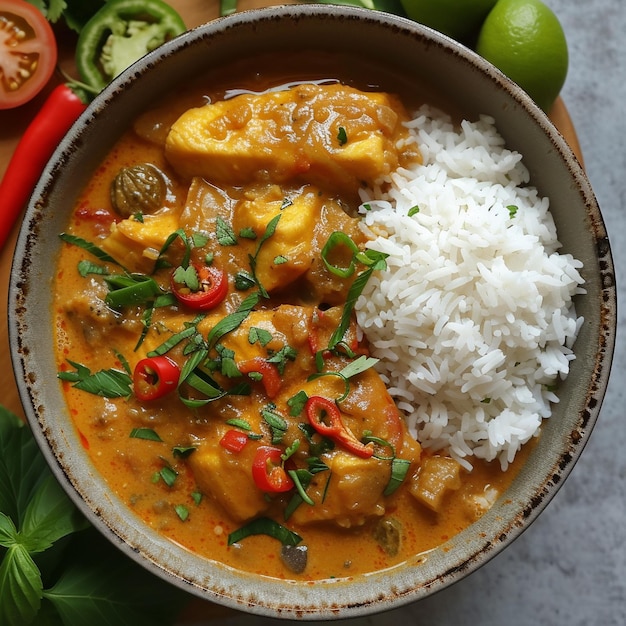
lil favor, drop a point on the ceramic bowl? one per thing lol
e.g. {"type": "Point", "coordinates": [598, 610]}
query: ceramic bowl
{"type": "Point", "coordinates": [416, 55]}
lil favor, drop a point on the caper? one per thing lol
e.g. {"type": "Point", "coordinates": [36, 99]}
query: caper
{"type": "Point", "coordinates": [140, 188]}
{"type": "Point", "coordinates": [387, 533]}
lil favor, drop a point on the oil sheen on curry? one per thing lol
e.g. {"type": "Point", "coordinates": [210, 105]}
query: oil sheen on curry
{"type": "Point", "coordinates": [208, 346]}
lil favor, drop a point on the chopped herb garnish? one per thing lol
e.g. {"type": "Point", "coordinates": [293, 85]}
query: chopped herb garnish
{"type": "Point", "coordinates": [86, 267]}
{"type": "Point", "coordinates": [182, 511]}
{"type": "Point", "coordinates": [512, 210]}
{"type": "Point", "coordinates": [414, 210]}
{"type": "Point", "coordinates": [238, 422]}
{"type": "Point", "coordinates": [280, 358]}
{"type": "Point", "coordinates": [182, 452]}
{"type": "Point", "coordinates": [144, 433]}
{"type": "Point", "coordinates": [168, 475]}
{"type": "Point", "coordinates": [265, 526]}
{"type": "Point", "coordinates": [90, 247]}
{"type": "Point", "coordinates": [358, 366]}
{"type": "Point", "coordinates": [296, 403]}
{"type": "Point", "coordinates": [247, 233]}
{"type": "Point", "coordinates": [342, 136]}
{"type": "Point", "coordinates": [280, 259]}
{"type": "Point", "coordinates": [277, 423]}
{"type": "Point", "coordinates": [261, 335]}
{"type": "Point", "coordinates": [224, 232]}
{"type": "Point", "coordinates": [109, 383]}
{"type": "Point", "coordinates": [399, 470]}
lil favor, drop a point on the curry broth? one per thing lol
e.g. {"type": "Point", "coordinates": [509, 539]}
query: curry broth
{"type": "Point", "coordinates": [91, 336]}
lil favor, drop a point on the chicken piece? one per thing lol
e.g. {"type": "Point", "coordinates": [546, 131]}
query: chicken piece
{"type": "Point", "coordinates": [331, 135]}
{"type": "Point", "coordinates": [226, 477]}
{"type": "Point", "coordinates": [355, 493]}
{"type": "Point", "coordinates": [136, 244]}
{"type": "Point", "coordinates": [436, 477]}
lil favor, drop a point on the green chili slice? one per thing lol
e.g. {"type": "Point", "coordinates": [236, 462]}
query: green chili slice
{"type": "Point", "coordinates": [335, 241]}
{"type": "Point", "coordinates": [120, 33]}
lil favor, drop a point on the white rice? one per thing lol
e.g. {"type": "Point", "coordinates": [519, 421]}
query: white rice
{"type": "Point", "coordinates": [473, 320]}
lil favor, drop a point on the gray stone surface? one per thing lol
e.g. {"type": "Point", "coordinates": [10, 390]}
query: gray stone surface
{"type": "Point", "coordinates": [569, 567]}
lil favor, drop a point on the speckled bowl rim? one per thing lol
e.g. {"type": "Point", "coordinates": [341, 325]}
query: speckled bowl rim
{"type": "Point", "coordinates": [478, 88]}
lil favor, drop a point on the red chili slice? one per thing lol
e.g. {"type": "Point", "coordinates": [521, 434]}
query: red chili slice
{"type": "Point", "coordinates": [154, 377]}
{"type": "Point", "coordinates": [270, 375]}
{"type": "Point", "coordinates": [234, 440]}
{"type": "Point", "coordinates": [268, 472]}
{"type": "Point", "coordinates": [324, 415]}
{"type": "Point", "coordinates": [213, 287]}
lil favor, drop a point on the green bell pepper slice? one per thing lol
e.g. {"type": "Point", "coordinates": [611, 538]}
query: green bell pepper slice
{"type": "Point", "coordinates": [119, 34]}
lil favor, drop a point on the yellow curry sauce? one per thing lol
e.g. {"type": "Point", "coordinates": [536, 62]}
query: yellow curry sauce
{"type": "Point", "coordinates": [255, 185]}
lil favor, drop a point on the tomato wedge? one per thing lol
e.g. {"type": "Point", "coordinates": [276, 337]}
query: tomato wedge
{"type": "Point", "coordinates": [28, 52]}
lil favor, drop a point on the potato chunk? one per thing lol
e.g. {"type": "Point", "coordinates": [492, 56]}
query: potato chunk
{"type": "Point", "coordinates": [330, 135]}
{"type": "Point", "coordinates": [437, 476]}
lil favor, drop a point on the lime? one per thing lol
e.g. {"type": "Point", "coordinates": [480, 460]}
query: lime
{"type": "Point", "coordinates": [525, 40]}
{"type": "Point", "coordinates": [456, 18]}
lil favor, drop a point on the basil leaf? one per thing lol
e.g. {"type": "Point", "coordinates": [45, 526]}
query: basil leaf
{"type": "Point", "coordinates": [265, 526]}
{"type": "Point", "coordinates": [49, 516]}
{"type": "Point", "coordinates": [233, 320]}
{"type": "Point", "coordinates": [399, 470]}
{"type": "Point", "coordinates": [89, 247]}
{"type": "Point", "coordinates": [21, 587]}
{"type": "Point", "coordinates": [110, 383]}
{"type": "Point", "coordinates": [98, 585]}
{"type": "Point", "coordinates": [358, 366]}
{"type": "Point", "coordinates": [8, 533]}
{"type": "Point", "coordinates": [145, 433]}
{"type": "Point", "coordinates": [22, 467]}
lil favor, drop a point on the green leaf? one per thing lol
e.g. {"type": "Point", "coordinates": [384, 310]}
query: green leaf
{"type": "Point", "coordinates": [233, 320]}
{"type": "Point", "coordinates": [89, 247]}
{"type": "Point", "coordinates": [100, 586]}
{"type": "Point", "coordinates": [8, 532]}
{"type": "Point", "coordinates": [358, 366]}
{"type": "Point", "coordinates": [111, 383]}
{"type": "Point", "coordinates": [143, 432]}
{"type": "Point", "coordinates": [22, 467]}
{"type": "Point", "coordinates": [224, 232]}
{"type": "Point", "coordinates": [399, 470]}
{"type": "Point", "coordinates": [21, 587]}
{"type": "Point", "coordinates": [261, 335]}
{"type": "Point", "coordinates": [49, 516]}
{"type": "Point", "coordinates": [265, 526]}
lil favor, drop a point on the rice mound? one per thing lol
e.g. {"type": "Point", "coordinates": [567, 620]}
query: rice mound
{"type": "Point", "coordinates": [473, 320]}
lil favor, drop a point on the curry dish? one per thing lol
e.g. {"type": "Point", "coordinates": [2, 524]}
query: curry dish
{"type": "Point", "coordinates": [208, 347]}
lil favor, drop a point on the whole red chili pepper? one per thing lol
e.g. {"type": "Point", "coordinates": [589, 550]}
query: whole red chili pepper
{"type": "Point", "coordinates": [33, 151]}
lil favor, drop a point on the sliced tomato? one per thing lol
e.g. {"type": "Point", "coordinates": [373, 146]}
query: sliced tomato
{"type": "Point", "coordinates": [28, 52]}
